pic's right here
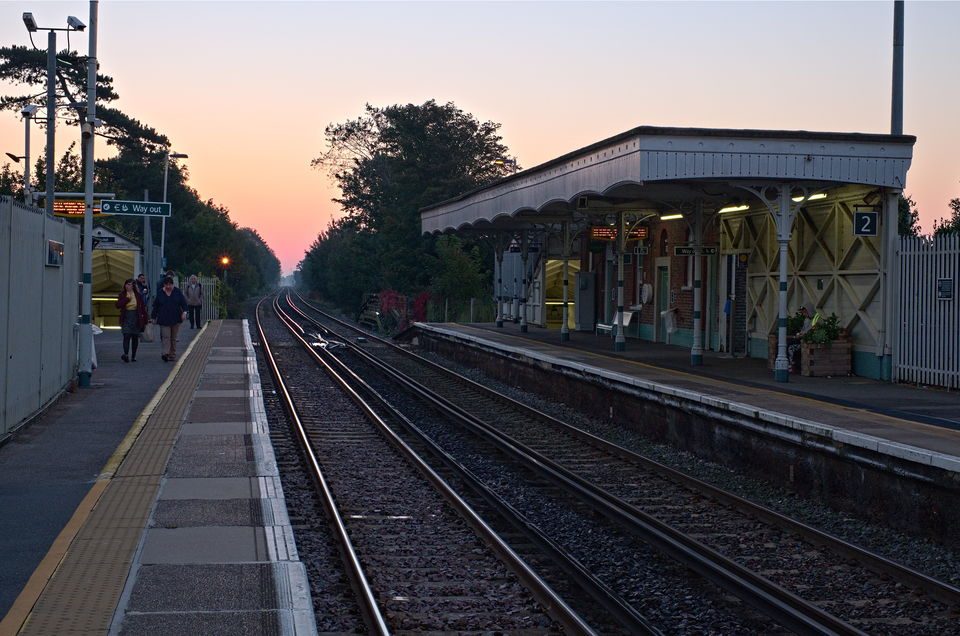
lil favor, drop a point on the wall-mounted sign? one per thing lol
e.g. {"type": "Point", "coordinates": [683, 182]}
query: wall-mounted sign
{"type": "Point", "coordinates": [641, 250]}
{"type": "Point", "coordinates": [73, 208]}
{"type": "Point", "coordinates": [944, 289]}
{"type": "Point", "coordinates": [135, 208]}
{"type": "Point", "coordinates": [865, 221]}
{"type": "Point", "coordinates": [54, 253]}
{"type": "Point", "coordinates": [609, 233]}
{"type": "Point", "coordinates": [690, 250]}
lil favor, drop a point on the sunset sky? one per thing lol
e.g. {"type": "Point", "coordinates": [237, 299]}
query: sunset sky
{"type": "Point", "coordinates": [246, 88]}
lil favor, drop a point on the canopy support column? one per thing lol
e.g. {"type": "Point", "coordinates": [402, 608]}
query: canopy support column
{"type": "Point", "coordinates": [564, 329]}
{"type": "Point", "coordinates": [696, 351]}
{"type": "Point", "coordinates": [501, 305]}
{"type": "Point", "coordinates": [784, 229]}
{"type": "Point", "coordinates": [890, 266]}
{"type": "Point", "coordinates": [524, 249]}
{"type": "Point", "coordinates": [620, 343]}
{"type": "Point", "coordinates": [783, 214]}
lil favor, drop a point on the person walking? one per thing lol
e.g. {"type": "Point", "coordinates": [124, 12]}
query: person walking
{"type": "Point", "coordinates": [144, 288]}
{"type": "Point", "coordinates": [169, 310]}
{"type": "Point", "coordinates": [164, 277]}
{"type": "Point", "coordinates": [194, 295]}
{"type": "Point", "coordinates": [133, 318]}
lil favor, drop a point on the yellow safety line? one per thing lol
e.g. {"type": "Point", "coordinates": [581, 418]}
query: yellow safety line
{"type": "Point", "coordinates": [20, 610]}
{"type": "Point", "coordinates": [31, 592]}
{"type": "Point", "coordinates": [717, 383]}
{"type": "Point", "coordinates": [110, 468]}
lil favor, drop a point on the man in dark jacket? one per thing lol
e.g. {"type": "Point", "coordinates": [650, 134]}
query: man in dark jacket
{"type": "Point", "coordinates": [169, 310]}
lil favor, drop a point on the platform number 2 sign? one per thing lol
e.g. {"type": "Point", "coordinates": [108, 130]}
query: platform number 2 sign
{"type": "Point", "coordinates": [865, 223]}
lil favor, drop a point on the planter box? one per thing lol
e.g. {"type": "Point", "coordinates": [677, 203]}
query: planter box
{"type": "Point", "coordinates": [821, 360]}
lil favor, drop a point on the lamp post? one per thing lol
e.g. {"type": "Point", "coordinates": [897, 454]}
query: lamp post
{"type": "Point", "coordinates": [85, 357]}
{"type": "Point", "coordinates": [225, 263]}
{"type": "Point", "coordinates": [163, 222]}
{"type": "Point", "coordinates": [73, 24]}
{"type": "Point", "coordinates": [27, 113]}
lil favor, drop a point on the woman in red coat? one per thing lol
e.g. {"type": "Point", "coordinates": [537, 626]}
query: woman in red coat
{"type": "Point", "coordinates": [133, 318]}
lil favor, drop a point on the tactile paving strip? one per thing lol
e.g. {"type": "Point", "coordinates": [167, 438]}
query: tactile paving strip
{"type": "Point", "coordinates": [81, 596]}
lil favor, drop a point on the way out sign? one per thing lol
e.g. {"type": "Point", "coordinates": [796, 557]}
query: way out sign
{"type": "Point", "coordinates": [135, 208]}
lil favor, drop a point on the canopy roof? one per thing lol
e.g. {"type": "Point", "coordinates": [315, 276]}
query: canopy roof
{"type": "Point", "coordinates": [655, 168]}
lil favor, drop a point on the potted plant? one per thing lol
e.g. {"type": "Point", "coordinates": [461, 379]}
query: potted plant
{"type": "Point", "coordinates": [826, 349]}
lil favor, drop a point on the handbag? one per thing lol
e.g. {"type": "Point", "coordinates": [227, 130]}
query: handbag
{"type": "Point", "coordinates": [147, 334]}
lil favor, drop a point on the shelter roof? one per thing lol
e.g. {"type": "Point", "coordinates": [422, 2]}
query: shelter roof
{"type": "Point", "coordinates": [658, 167]}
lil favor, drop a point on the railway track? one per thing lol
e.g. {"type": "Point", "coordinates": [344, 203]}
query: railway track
{"type": "Point", "coordinates": [418, 558]}
{"type": "Point", "coordinates": [845, 589]}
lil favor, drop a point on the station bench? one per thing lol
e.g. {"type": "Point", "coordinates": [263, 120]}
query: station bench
{"type": "Point", "coordinates": [607, 329]}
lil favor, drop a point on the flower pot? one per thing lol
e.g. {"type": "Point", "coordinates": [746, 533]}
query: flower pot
{"type": "Point", "coordinates": [834, 358]}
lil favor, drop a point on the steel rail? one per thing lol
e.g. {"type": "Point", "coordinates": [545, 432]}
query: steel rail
{"type": "Point", "coordinates": [541, 590]}
{"type": "Point", "coordinates": [618, 608]}
{"type": "Point", "coordinates": [368, 604]}
{"type": "Point", "coordinates": [877, 563]}
{"type": "Point", "coordinates": [788, 609]}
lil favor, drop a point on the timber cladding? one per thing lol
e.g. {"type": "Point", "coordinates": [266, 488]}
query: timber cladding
{"type": "Point", "coordinates": [912, 497]}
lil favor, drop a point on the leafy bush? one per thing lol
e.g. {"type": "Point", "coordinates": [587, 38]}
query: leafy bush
{"type": "Point", "coordinates": [824, 332]}
{"type": "Point", "coordinates": [795, 323]}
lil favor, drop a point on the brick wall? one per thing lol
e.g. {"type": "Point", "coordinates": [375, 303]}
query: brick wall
{"type": "Point", "coordinates": [680, 296]}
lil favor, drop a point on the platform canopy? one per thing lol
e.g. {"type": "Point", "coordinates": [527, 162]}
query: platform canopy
{"type": "Point", "coordinates": [664, 169]}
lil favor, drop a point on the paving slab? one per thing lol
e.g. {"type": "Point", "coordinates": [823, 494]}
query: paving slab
{"type": "Point", "coordinates": [210, 488]}
{"type": "Point", "coordinates": [209, 544]}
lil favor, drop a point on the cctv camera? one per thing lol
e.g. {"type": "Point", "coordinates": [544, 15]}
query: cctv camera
{"type": "Point", "coordinates": [74, 23]}
{"type": "Point", "coordinates": [86, 130]}
{"type": "Point", "coordinates": [29, 22]}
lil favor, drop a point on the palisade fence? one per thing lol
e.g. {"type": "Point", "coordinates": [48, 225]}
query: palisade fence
{"type": "Point", "coordinates": [39, 308]}
{"type": "Point", "coordinates": [213, 299]}
{"type": "Point", "coordinates": [466, 311]}
{"type": "Point", "coordinates": [928, 347]}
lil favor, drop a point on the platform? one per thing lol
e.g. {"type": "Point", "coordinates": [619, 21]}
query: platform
{"type": "Point", "coordinates": [185, 530]}
{"type": "Point", "coordinates": [906, 422]}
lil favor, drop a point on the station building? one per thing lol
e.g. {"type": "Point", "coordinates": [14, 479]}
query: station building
{"type": "Point", "coordinates": [704, 238]}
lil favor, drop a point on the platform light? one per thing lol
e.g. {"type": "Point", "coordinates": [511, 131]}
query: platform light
{"type": "Point", "coordinates": [225, 260]}
{"type": "Point", "coordinates": [733, 208]}
{"type": "Point", "coordinates": [671, 217]}
{"type": "Point", "coordinates": [812, 197]}
{"type": "Point", "coordinates": [30, 22]}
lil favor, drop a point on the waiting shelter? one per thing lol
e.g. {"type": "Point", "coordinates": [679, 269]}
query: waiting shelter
{"type": "Point", "coordinates": [707, 238]}
{"type": "Point", "coordinates": [115, 259]}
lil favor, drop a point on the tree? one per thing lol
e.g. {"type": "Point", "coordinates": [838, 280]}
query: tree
{"type": "Point", "coordinates": [951, 225]}
{"type": "Point", "coordinates": [389, 163]}
{"type": "Point", "coordinates": [457, 272]}
{"type": "Point", "coordinates": [908, 217]}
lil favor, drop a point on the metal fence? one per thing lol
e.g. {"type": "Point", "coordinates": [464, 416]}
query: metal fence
{"type": "Point", "coordinates": [928, 347]}
{"type": "Point", "coordinates": [212, 299]}
{"type": "Point", "coordinates": [39, 305]}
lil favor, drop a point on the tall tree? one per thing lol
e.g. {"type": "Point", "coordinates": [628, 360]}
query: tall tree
{"type": "Point", "coordinates": [392, 161]}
